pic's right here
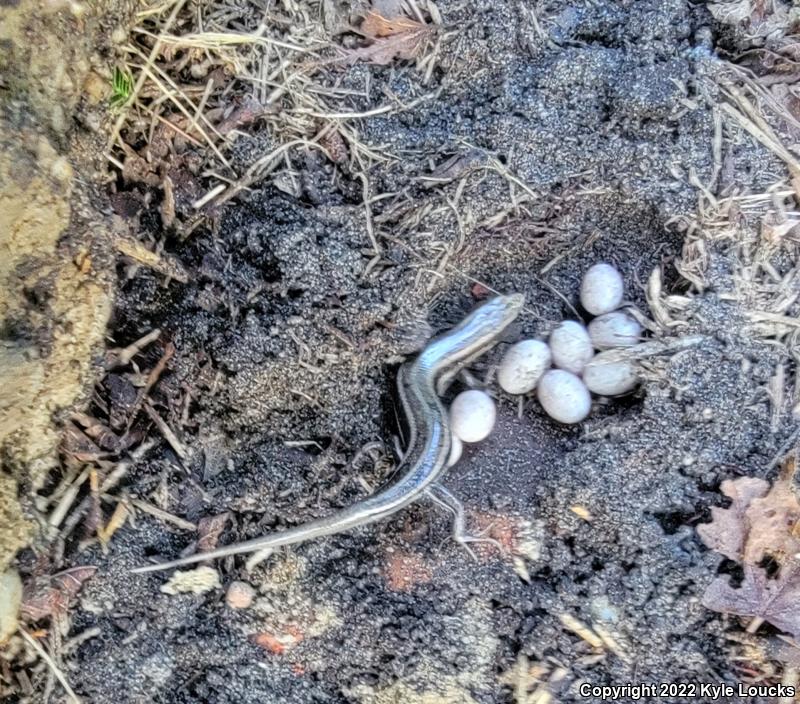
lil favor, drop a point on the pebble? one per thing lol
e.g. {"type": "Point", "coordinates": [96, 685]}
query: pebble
{"type": "Point", "coordinates": [472, 415]}
{"type": "Point", "coordinates": [601, 289]}
{"type": "Point", "coordinates": [608, 375]}
{"type": "Point", "coordinates": [523, 366]}
{"type": "Point", "coordinates": [564, 396]}
{"type": "Point", "coordinates": [571, 346]}
{"type": "Point", "coordinates": [615, 329]}
{"type": "Point", "coordinates": [240, 595]}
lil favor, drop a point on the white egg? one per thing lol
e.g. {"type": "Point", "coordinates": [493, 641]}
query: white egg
{"type": "Point", "coordinates": [601, 289]}
{"type": "Point", "coordinates": [456, 448]}
{"type": "Point", "coordinates": [615, 329]}
{"type": "Point", "coordinates": [472, 415]}
{"type": "Point", "coordinates": [523, 366]}
{"type": "Point", "coordinates": [564, 396]}
{"type": "Point", "coordinates": [570, 346]}
{"type": "Point", "coordinates": [608, 374]}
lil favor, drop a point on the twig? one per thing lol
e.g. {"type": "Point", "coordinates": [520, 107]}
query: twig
{"type": "Point", "coordinates": [368, 213]}
{"type": "Point", "coordinates": [166, 431]}
{"type": "Point", "coordinates": [213, 193]}
{"type": "Point", "coordinates": [51, 664]}
{"type": "Point", "coordinates": [215, 40]}
{"type": "Point", "coordinates": [149, 60]}
{"type": "Point", "coordinates": [152, 378]}
{"type": "Point", "coordinates": [60, 511]}
{"type": "Point", "coordinates": [114, 477]}
{"type": "Point", "coordinates": [146, 70]}
{"type": "Point", "coordinates": [262, 167]}
{"type": "Point", "coordinates": [122, 357]}
{"type": "Point", "coordinates": [168, 266]}
{"type": "Point", "coordinates": [581, 630]}
{"type": "Point", "coordinates": [163, 515]}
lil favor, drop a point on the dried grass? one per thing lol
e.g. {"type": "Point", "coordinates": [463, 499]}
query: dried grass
{"type": "Point", "coordinates": [760, 230]}
{"type": "Point", "coordinates": [193, 62]}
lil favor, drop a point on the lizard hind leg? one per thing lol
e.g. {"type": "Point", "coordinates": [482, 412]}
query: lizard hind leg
{"type": "Point", "coordinates": [447, 500]}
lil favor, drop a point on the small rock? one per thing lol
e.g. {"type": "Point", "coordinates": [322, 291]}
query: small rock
{"type": "Point", "coordinates": [240, 595]}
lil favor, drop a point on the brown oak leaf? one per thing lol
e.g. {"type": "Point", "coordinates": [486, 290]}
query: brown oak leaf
{"type": "Point", "coordinates": [386, 49]}
{"type": "Point", "coordinates": [774, 600]}
{"type": "Point", "coordinates": [773, 523]}
{"type": "Point", "coordinates": [728, 528]}
{"type": "Point", "coordinates": [376, 25]}
{"type": "Point", "coordinates": [391, 38]}
{"type": "Point", "coordinates": [761, 522]}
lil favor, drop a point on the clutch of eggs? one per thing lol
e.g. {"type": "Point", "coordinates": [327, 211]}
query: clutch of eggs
{"type": "Point", "coordinates": [564, 392]}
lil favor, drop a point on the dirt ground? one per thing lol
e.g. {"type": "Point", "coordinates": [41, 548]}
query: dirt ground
{"type": "Point", "coordinates": [520, 145]}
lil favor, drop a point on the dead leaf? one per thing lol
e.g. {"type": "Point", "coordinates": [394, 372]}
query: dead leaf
{"type": "Point", "coordinates": [384, 50]}
{"type": "Point", "coordinates": [209, 529]}
{"type": "Point", "coordinates": [727, 531]}
{"type": "Point", "coordinates": [773, 523]}
{"type": "Point", "coordinates": [774, 600]}
{"type": "Point", "coordinates": [77, 445]}
{"type": "Point", "coordinates": [376, 25]}
{"type": "Point", "coordinates": [762, 521]}
{"type": "Point", "coordinates": [50, 596]}
{"type": "Point", "coordinates": [247, 112]}
{"type": "Point", "coordinates": [397, 37]}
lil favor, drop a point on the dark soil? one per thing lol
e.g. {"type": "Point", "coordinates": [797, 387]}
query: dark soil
{"type": "Point", "coordinates": [286, 351]}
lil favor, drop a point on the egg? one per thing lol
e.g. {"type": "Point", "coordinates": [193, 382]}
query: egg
{"type": "Point", "coordinates": [609, 374]}
{"type": "Point", "coordinates": [615, 329]}
{"type": "Point", "coordinates": [601, 289]}
{"type": "Point", "coordinates": [456, 448]}
{"type": "Point", "coordinates": [472, 415]}
{"type": "Point", "coordinates": [571, 346]}
{"type": "Point", "coordinates": [564, 396]}
{"type": "Point", "coordinates": [523, 366]}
